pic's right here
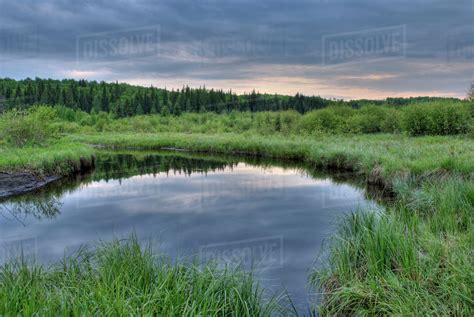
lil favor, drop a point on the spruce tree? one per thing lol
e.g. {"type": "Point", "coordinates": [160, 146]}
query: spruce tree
{"type": "Point", "coordinates": [139, 110]}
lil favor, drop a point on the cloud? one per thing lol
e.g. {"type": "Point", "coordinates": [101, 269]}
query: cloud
{"type": "Point", "coordinates": [241, 45]}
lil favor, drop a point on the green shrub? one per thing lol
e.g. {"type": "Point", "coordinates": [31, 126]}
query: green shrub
{"type": "Point", "coordinates": [66, 127]}
{"type": "Point", "coordinates": [416, 120]}
{"type": "Point", "coordinates": [371, 118]}
{"type": "Point", "coordinates": [449, 119]}
{"type": "Point", "coordinates": [391, 123]}
{"type": "Point", "coordinates": [268, 122]}
{"type": "Point", "coordinates": [436, 119]}
{"type": "Point", "coordinates": [32, 127]}
{"type": "Point", "coordinates": [288, 121]}
{"type": "Point", "coordinates": [67, 114]}
{"type": "Point", "coordinates": [324, 120]}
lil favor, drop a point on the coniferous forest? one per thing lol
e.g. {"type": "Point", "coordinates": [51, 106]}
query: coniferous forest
{"type": "Point", "coordinates": [124, 100]}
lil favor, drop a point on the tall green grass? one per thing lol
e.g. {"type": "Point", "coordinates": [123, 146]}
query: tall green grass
{"type": "Point", "coordinates": [56, 158]}
{"type": "Point", "coordinates": [30, 141]}
{"type": "Point", "coordinates": [122, 278]}
{"type": "Point", "coordinates": [388, 155]}
{"type": "Point", "coordinates": [414, 259]}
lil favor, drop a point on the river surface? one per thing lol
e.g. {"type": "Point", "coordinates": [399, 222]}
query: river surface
{"type": "Point", "coordinates": [269, 216]}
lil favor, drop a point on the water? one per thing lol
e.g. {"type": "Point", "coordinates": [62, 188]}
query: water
{"type": "Point", "coordinates": [269, 216]}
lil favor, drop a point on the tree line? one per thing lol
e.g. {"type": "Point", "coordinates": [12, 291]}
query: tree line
{"type": "Point", "coordinates": [124, 100]}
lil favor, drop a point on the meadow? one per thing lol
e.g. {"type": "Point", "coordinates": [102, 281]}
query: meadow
{"type": "Point", "coordinates": [414, 258]}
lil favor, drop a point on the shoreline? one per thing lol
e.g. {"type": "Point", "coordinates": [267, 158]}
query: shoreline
{"type": "Point", "coordinates": [19, 183]}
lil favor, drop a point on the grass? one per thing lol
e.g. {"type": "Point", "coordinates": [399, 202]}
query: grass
{"type": "Point", "coordinates": [389, 154]}
{"type": "Point", "coordinates": [414, 259]}
{"type": "Point", "coordinates": [121, 278]}
{"type": "Point", "coordinates": [58, 158]}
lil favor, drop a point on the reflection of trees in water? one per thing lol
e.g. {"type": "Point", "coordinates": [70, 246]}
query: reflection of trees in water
{"type": "Point", "coordinates": [370, 192]}
{"type": "Point", "coordinates": [41, 207]}
{"type": "Point", "coordinates": [46, 202]}
{"type": "Point", "coordinates": [119, 166]}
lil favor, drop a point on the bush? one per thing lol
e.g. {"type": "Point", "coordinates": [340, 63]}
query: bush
{"type": "Point", "coordinates": [287, 121]}
{"type": "Point", "coordinates": [449, 119]}
{"type": "Point", "coordinates": [417, 121]}
{"type": "Point", "coordinates": [324, 120]}
{"type": "Point", "coordinates": [371, 118]}
{"type": "Point", "coordinates": [391, 123]}
{"type": "Point", "coordinates": [436, 119]}
{"type": "Point", "coordinates": [33, 127]}
{"type": "Point", "coordinates": [267, 123]}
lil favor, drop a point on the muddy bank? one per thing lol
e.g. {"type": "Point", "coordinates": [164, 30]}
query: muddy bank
{"type": "Point", "coordinates": [18, 183]}
{"type": "Point", "coordinates": [12, 184]}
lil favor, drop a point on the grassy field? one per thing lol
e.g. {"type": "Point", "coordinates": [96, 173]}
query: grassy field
{"type": "Point", "coordinates": [414, 258]}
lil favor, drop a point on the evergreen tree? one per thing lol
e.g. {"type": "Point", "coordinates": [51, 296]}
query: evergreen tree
{"type": "Point", "coordinates": [139, 110]}
{"type": "Point", "coordinates": [96, 104]}
{"type": "Point", "coordinates": [153, 110]}
{"type": "Point", "coordinates": [126, 100]}
{"type": "Point", "coordinates": [104, 99]}
{"type": "Point", "coordinates": [165, 111]}
{"type": "Point", "coordinates": [165, 98]}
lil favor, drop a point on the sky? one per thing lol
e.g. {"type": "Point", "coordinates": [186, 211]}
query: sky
{"type": "Point", "coordinates": [345, 49]}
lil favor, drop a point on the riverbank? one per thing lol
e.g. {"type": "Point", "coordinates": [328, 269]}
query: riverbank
{"type": "Point", "coordinates": [381, 158]}
{"type": "Point", "coordinates": [416, 257]}
{"type": "Point", "coordinates": [26, 169]}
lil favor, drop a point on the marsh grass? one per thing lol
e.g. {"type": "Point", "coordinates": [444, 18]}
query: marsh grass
{"type": "Point", "coordinates": [415, 258]}
{"type": "Point", "coordinates": [123, 278]}
{"type": "Point", "coordinates": [391, 155]}
{"type": "Point", "coordinates": [57, 158]}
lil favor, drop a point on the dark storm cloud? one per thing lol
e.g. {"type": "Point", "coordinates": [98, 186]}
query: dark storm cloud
{"type": "Point", "coordinates": [218, 40]}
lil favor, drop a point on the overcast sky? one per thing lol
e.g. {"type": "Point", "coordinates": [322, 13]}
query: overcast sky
{"type": "Point", "coordinates": [333, 48]}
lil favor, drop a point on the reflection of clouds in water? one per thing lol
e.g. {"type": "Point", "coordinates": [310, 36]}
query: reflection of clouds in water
{"type": "Point", "coordinates": [18, 248]}
{"type": "Point", "coordinates": [198, 190]}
